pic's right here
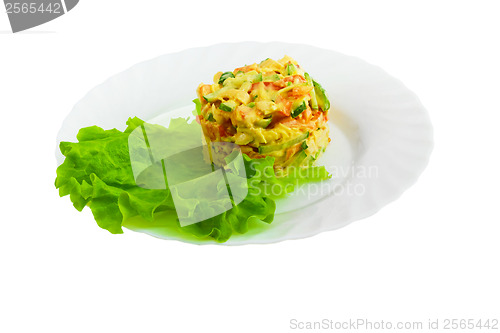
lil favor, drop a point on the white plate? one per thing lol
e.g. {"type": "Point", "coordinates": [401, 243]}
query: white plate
{"type": "Point", "coordinates": [381, 134]}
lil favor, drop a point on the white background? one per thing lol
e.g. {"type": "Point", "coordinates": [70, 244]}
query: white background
{"type": "Point", "coordinates": [431, 254]}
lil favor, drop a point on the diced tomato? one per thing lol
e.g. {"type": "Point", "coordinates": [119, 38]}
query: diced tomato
{"type": "Point", "coordinates": [286, 108]}
{"type": "Point", "coordinates": [272, 85]}
{"type": "Point", "coordinates": [280, 84]}
{"type": "Point", "coordinates": [305, 116]}
{"type": "Point", "coordinates": [290, 122]}
{"type": "Point", "coordinates": [245, 68]}
{"type": "Point", "coordinates": [300, 91]}
{"type": "Point", "coordinates": [222, 132]}
{"type": "Point", "coordinates": [295, 79]}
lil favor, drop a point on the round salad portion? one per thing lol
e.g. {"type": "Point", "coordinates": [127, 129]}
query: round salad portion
{"type": "Point", "coordinates": [273, 108]}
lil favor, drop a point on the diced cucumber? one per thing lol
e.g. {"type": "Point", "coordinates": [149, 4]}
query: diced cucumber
{"type": "Point", "coordinates": [314, 101]}
{"type": "Point", "coordinates": [291, 69]}
{"type": "Point", "coordinates": [287, 88]}
{"type": "Point", "coordinates": [256, 78]}
{"type": "Point", "coordinates": [225, 76]}
{"type": "Point", "coordinates": [284, 145]}
{"type": "Point", "coordinates": [210, 117]}
{"type": "Point", "coordinates": [243, 138]}
{"type": "Point", "coordinates": [228, 106]}
{"type": "Point", "coordinates": [212, 97]}
{"type": "Point", "coordinates": [271, 78]}
{"type": "Point", "coordinates": [240, 81]}
{"type": "Point", "coordinates": [264, 122]}
{"type": "Point", "coordinates": [323, 101]}
{"type": "Point", "coordinates": [299, 109]}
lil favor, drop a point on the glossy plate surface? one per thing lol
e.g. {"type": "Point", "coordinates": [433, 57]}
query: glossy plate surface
{"type": "Point", "coordinates": [381, 134]}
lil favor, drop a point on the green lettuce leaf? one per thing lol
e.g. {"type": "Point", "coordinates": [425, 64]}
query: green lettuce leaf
{"type": "Point", "coordinates": [97, 172]}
